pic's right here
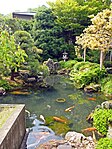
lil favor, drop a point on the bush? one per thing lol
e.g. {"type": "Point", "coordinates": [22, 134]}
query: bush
{"type": "Point", "coordinates": [107, 85]}
{"type": "Point", "coordinates": [84, 73]}
{"type": "Point", "coordinates": [101, 119]}
{"type": "Point", "coordinates": [104, 143]}
{"type": "Point", "coordinates": [5, 84]}
{"type": "Point", "coordinates": [68, 64]}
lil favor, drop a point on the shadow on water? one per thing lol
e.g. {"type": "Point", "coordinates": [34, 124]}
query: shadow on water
{"type": "Point", "coordinates": [44, 102]}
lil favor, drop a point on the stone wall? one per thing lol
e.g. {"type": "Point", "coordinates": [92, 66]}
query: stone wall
{"type": "Point", "coordinates": [13, 131]}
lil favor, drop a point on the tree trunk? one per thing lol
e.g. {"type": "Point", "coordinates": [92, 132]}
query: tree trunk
{"type": "Point", "coordinates": [84, 54]}
{"type": "Point", "coordinates": [12, 74]}
{"type": "Point", "coordinates": [110, 56]}
{"type": "Point", "coordinates": [102, 57]}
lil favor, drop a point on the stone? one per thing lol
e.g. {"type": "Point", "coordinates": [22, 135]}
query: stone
{"type": "Point", "coordinates": [79, 141]}
{"type": "Point", "coordinates": [109, 70]}
{"type": "Point", "coordinates": [107, 104]}
{"type": "Point", "coordinates": [92, 88]}
{"type": "Point", "coordinates": [74, 136]}
{"type": "Point", "coordinates": [53, 66]}
{"type": "Point", "coordinates": [65, 146]}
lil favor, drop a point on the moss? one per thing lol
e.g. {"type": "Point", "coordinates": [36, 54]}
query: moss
{"type": "Point", "coordinates": [5, 112]}
{"type": "Point", "coordinates": [58, 127]}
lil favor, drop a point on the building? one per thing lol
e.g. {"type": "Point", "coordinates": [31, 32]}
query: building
{"type": "Point", "coordinates": [24, 15]}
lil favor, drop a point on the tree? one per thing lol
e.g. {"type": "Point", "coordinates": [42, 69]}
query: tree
{"type": "Point", "coordinates": [26, 42]}
{"type": "Point", "coordinates": [10, 24]}
{"type": "Point", "coordinates": [11, 56]}
{"type": "Point", "coordinates": [72, 15]}
{"type": "Point", "coordinates": [27, 25]}
{"type": "Point", "coordinates": [47, 34]}
{"type": "Point", "coordinates": [98, 36]}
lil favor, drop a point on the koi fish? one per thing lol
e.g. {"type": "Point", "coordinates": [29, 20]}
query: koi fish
{"type": "Point", "coordinates": [89, 129]}
{"type": "Point", "coordinates": [69, 109]}
{"type": "Point", "coordinates": [59, 119]}
{"type": "Point", "coordinates": [92, 98]}
{"type": "Point", "coordinates": [19, 93]}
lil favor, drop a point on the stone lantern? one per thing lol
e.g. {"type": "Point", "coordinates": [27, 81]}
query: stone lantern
{"type": "Point", "coordinates": [65, 57]}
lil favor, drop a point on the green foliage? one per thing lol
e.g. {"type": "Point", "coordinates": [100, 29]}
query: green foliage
{"type": "Point", "coordinates": [10, 24]}
{"type": "Point", "coordinates": [104, 143]}
{"type": "Point", "coordinates": [101, 118]}
{"type": "Point", "coordinates": [11, 56]}
{"type": "Point", "coordinates": [72, 15]}
{"type": "Point", "coordinates": [68, 64]}
{"type": "Point", "coordinates": [84, 73]}
{"type": "Point", "coordinates": [24, 39]}
{"type": "Point", "coordinates": [26, 43]}
{"type": "Point", "coordinates": [27, 25]}
{"type": "Point", "coordinates": [5, 84]}
{"type": "Point", "coordinates": [48, 35]}
{"type": "Point", "coordinates": [36, 68]}
{"type": "Point", "coordinates": [98, 35]}
{"type": "Point", "coordinates": [107, 85]}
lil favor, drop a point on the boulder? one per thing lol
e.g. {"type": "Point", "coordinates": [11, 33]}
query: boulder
{"type": "Point", "coordinates": [2, 91]}
{"type": "Point", "coordinates": [109, 70]}
{"type": "Point", "coordinates": [92, 88]}
{"type": "Point", "coordinates": [79, 141]}
{"type": "Point", "coordinates": [107, 104]}
{"type": "Point", "coordinates": [53, 66]}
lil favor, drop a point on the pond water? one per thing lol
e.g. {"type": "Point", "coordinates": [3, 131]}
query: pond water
{"type": "Point", "coordinates": [43, 102]}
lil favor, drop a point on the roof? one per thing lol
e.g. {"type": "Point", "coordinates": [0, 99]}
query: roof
{"type": "Point", "coordinates": [25, 13]}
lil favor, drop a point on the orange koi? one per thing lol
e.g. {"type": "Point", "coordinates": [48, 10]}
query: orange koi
{"type": "Point", "coordinates": [89, 129]}
{"type": "Point", "coordinates": [69, 109]}
{"type": "Point", "coordinates": [59, 119]}
{"type": "Point", "coordinates": [19, 93]}
{"type": "Point", "coordinates": [92, 98]}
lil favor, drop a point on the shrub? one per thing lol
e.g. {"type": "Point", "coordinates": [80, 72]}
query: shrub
{"type": "Point", "coordinates": [104, 143]}
{"type": "Point", "coordinates": [68, 64]}
{"type": "Point", "coordinates": [84, 73]}
{"type": "Point", "coordinates": [107, 85]}
{"type": "Point", "coordinates": [101, 119]}
{"type": "Point", "coordinates": [5, 84]}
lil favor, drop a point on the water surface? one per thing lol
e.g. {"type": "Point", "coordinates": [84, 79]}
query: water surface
{"type": "Point", "coordinates": [43, 102]}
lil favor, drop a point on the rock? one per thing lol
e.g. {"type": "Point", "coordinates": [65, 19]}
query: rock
{"type": "Point", "coordinates": [2, 91]}
{"type": "Point", "coordinates": [63, 71]}
{"type": "Point", "coordinates": [31, 80]}
{"type": "Point", "coordinates": [109, 133]}
{"type": "Point", "coordinates": [52, 144]}
{"type": "Point", "coordinates": [74, 136]}
{"type": "Point", "coordinates": [109, 70]}
{"type": "Point", "coordinates": [65, 146]}
{"type": "Point", "coordinates": [79, 141]}
{"type": "Point", "coordinates": [53, 66]}
{"type": "Point", "coordinates": [107, 104]}
{"type": "Point", "coordinates": [56, 65]}
{"type": "Point", "coordinates": [92, 88]}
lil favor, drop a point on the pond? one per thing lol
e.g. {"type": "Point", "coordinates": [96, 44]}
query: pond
{"type": "Point", "coordinates": [44, 102]}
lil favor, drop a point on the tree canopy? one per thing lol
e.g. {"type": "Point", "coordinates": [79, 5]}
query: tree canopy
{"type": "Point", "coordinates": [98, 35]}
{"type": "Point", "coordinates": [47, 34]}
{"type": "Point", "coordinates": [11, 56]}
{"type": "Point", "coordinates": [72, 15]}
